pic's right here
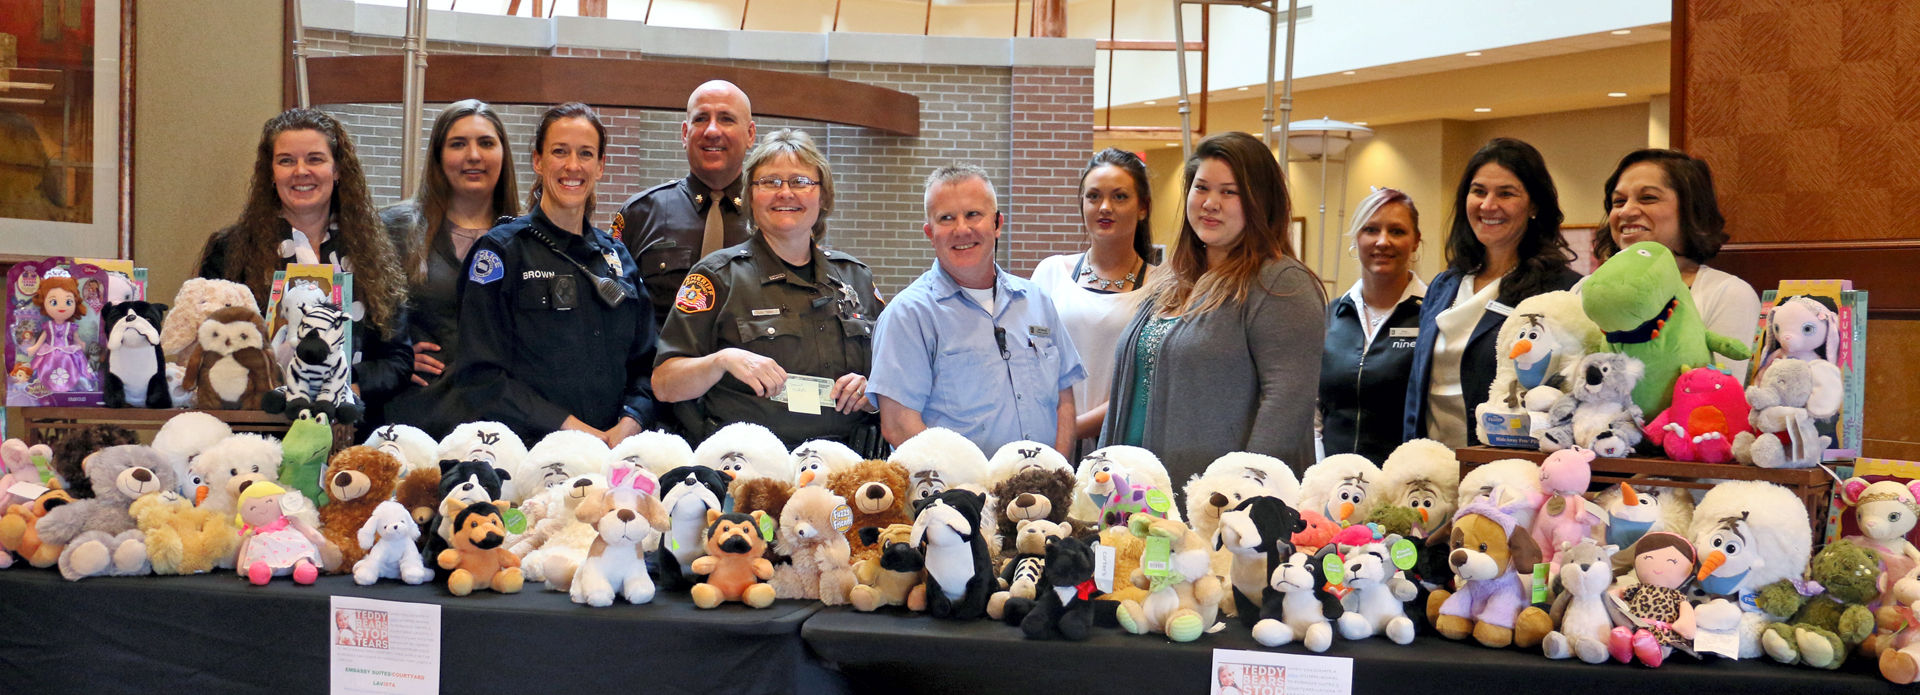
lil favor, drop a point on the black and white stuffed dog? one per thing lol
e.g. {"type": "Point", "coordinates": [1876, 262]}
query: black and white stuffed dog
{"type": "Point", "coordinates": [687, 492]}
{"type": "Point", "coordinates": [136, 368]}
{"type": "Point", "coordinates": [1064, 607]}
{"type": "Point", "coordinates": [960, 577]}
{"type": "Point", "coordinates": [1258, 533]}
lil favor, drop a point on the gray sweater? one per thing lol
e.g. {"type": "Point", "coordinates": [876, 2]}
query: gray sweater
{"type": "Point", "coordinates": [1242, 377]}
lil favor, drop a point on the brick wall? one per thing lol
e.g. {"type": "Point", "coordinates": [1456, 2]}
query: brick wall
{"type": "Point", "coordinates": [1031, 128]}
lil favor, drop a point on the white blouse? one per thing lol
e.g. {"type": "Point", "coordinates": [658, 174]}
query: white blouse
{"type": "Point", "coordinates": [1446, 406]}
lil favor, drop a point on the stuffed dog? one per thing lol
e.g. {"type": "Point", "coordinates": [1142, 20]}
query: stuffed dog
{"type": "Point", "coordinates": [478, 558]}
{"type": "Point", "coordinates": [896, 577]}
{"type": "Point", "coordinates": [616, 564]}
{"type": "Point", "coordinates": [690, 492]}
{"type": "Point", "coordinates": [1307, 610]}
{"type": "Point", "coordinates": [1257, 535]}
{"type": "Point", "coordinates": [734, 565]}
{"type": "Point", "coordinates": [959, 571]}
{"type": "Point", "coordinates": [136, 373]}
{"type": "Point", "coordinates": [1488, 553]}
{"type": "Point", "coordinates": [1378, 604]}
{"type": "Point", "coordinates": [390, 540]}
{"type": "Point", "coordinates": [1579, 605]}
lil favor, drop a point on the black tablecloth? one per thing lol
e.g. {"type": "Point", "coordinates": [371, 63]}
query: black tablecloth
{"type": "Point", "coordinates": [904, 653]}
{"type": "Point", "coordinates": [219, 634]}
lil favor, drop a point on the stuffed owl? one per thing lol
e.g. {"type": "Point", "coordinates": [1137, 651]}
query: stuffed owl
{"type": "Point", "coordinates": [228, 368]}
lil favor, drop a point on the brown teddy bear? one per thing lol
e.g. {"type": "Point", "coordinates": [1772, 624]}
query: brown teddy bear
{"type": "Point", "coordinates": [479, 558]}
{"type": "Point", "coordinates": [811, 535]}
{"type": "Point", "coordinates": [419, 492]}
{"type": "Point", "coordinates": [876, 491]}
{"type": "Point", "coordinates": [1033, 493]}
{"type": "Point", "coordinates": [182, 538]}
{"type": "Point", "coordinates": [735, 564]}
{"type": "Point", "coordinates": [895, 576]}
{"type": "Point", "coordinates": [357, 479]}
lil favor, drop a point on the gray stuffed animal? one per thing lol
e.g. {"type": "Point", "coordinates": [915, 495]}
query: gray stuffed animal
{"type": "Point", "coordinates": [1788, 398]}
{"type": "Point", "coordinates": [98, 534]}
{"type": "Point", "coordinates": [1598, 410]}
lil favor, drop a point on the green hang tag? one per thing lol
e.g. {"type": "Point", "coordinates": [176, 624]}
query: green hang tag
{"type": "Point", "coordinates": [515, 521]}
{"type": "Point", "coordinates": [1540, 582]}
{"type": "Point", "coordinates": [1335, 568]}
{"type": "Point", "coordinates": [673, 544]}
{"type": "Point", "coordinates": [45, 468]}
{"type": "Point", "coordinates": [766, 527]}
{"type": "Point", "coordinates": [1158, 502]}
{"type": "Point", "coordinates": [1404, 553]}
{"type": "Point", "coordinates": [1157, 560]}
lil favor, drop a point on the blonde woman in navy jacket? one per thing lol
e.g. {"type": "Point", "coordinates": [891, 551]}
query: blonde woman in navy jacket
{"type": "Point", "coordinates": [1371, 330]}
{"type": "Point", "coordinates": [1504, 246]}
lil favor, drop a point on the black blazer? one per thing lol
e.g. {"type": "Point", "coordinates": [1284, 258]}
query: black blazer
{"type": "Point", "coordinates": [1476, 366]}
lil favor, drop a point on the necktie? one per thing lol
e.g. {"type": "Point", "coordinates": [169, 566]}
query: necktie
{"type": "Point", "coordinates": [715, 238]}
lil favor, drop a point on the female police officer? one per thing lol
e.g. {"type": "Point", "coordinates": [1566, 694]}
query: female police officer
{"type": "Point", "coordinates": [553, 333]}
{"type": "Point", "coordinates": [775, 315]}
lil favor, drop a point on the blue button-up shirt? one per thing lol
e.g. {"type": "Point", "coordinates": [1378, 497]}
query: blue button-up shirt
{"type": "Point", "coordinates": [993, 376]}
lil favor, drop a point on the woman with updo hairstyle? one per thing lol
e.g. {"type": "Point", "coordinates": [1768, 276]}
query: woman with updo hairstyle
{"type": "Point", "coordinates": [308, 203]}
{"type": "Point", "coordinates": [1503, 246]}
{"type": "Point", "coordinates": [1371, 331]}
{"type": "Point", "coordinates": [1096, 291]}
{"type": "Point", "coordinates": [1667, 196]}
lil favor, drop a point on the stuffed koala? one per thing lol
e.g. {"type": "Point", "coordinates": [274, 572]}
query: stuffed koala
{"type": "Point", "coordinates": [1787, 399]}
{"type": "Point", "coordinates": [99, 534]}
{"type": "Point", "coordinates": [136, 372]}
{"type": "Point", "coordinates": [229, 367]}
{"type": "Point", "coordinates": [1598, 411]}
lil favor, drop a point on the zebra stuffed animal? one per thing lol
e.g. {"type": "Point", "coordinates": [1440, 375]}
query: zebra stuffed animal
{"type": "Point", "coordinates": [318, 378]}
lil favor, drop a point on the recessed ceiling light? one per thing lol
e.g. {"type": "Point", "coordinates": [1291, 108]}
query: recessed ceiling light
{"type": "Point", "coordinates": [1359, 122]}
{"type": "Point", "coordinates": [1482, 109]}
{"type": "Point", "coordinates": [1150, 102]}
{"type": "Point", "coordinates": [1621, 32]}
{"type": "Point", "coordinates": [1616, 95]}
{"type": "Point", "coordinates": [1349, 72]}
{"type": "Point", "coordinates": [1242, 89]}
{"type": "Point", "coordinates": [1473, 54]}
{"type": "Point", "coordinates": [1173, 144]}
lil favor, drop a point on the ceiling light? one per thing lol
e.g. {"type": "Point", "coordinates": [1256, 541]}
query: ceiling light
{"type": "Point", "coordinates": [1621, 32]}
{"type": "Point", "coordinates": [1473, 54]}
{"type": "Point", "coordinates": [1243, 89]}
{"type": "Point", "coordinates": [1149, 102]}
{"type": "Point", "coordinates": [1616, 95]}
{"type": "Point", "coordinates": [1359, 122]}
{"type": "Point", "coordinates": [1482, 109]}
{"type": "Point", "coordinates": [1173, 144]}
{"type": "Point", "coordinates": [1349, 72]}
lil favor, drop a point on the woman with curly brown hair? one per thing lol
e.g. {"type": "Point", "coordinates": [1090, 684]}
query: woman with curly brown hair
{"type": "Point", "coordinates": [308, 203]}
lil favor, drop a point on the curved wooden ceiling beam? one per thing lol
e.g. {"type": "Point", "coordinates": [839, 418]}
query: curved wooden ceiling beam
{"type": "Point", "coordinates": [642, 84]}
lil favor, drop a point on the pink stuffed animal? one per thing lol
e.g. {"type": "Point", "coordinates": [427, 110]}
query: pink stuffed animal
{"type": "Point", "coordinates": [1562, 519]}
{"type": "Point", "coordinates": [19, 463]}
{"type": "Point", "coordinates": [1709, 408]}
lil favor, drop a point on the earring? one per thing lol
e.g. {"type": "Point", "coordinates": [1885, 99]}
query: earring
{"type": "Point", "coordinates": [1353, 251]}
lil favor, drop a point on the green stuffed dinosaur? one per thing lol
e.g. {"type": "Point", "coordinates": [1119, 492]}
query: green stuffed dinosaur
{"type": "Point", "coordinates": [303, 457]}
{"type": "Point", "coordinates": [1647, 312]}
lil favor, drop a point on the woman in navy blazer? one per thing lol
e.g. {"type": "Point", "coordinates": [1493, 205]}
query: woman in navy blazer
{"type": "Point", "coordinates": [1505, 231]}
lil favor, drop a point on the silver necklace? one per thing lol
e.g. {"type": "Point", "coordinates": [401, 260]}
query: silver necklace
{"type": "Point", "coordinates": [1087, 276]}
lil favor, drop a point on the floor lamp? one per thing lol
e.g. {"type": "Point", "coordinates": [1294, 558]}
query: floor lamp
{"type": "Point", "coordinates": [1322, 140]}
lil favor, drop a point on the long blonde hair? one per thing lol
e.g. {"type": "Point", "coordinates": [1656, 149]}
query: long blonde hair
{"type": "Point", "coordinates": [1192, 287]}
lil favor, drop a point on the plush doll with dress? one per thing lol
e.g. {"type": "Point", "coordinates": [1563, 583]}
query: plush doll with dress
{"type": "Point", "coordinates": [1885, 513]}
{"type": "Point", "coordinates": [274, 543]}
{"type": "Point", "coordinates": [1658, 615]}
{"type": "Point", "coordinates": [59, 358]}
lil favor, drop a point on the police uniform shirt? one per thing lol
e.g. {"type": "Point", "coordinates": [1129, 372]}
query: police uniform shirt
{"type": "Point", "coordinates": [662, 228]}
{"type": "Point", "coordinates": [745, 296]}
{"type": "Point", "coordinates": [536, 342]}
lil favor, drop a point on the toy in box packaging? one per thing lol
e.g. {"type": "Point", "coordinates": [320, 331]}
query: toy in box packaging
{"type": "Point", "coordinates": [53, 348]}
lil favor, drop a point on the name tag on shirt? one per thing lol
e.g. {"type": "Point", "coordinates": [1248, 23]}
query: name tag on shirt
{"type": "Point", "coordinates": [766, 312]}
{"type": "Point", "coordinates": [1404, 332]}
{"type": "Point", "coordinates": [1041, 331]}
{"type": "Point", "coordinates": [1498, 308]}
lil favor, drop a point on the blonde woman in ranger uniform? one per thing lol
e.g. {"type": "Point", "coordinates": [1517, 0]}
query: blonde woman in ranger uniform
{"type": "Point", "coordinates": [755, 320]}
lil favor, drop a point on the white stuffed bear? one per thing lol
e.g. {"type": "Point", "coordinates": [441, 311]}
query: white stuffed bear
{"type": "Point", "coordinates": [745, 451]}
{"type": "Point", "coordinates": [182, 439]}
{"type": "Point", "coordinates": [231, 462]}
{"type": "Point", "coordinates": [392, 541]}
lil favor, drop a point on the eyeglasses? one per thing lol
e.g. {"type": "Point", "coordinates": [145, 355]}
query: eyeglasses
{"type": "Point", "coordinates": [799, 184]}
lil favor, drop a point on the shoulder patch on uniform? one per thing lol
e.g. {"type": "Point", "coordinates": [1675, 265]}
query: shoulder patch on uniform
{"type": "Point", "coordinates": [619, 226]}
{"type": "Point", "coordinates": [695, 295]}
{"type": "Point", "coordinates": [487, 267]}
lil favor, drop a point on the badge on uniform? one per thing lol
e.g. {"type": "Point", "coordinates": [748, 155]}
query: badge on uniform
{"type": "Point", "coordinates": [486, 267]}
{"type": "Point", "coordinates": [613, 261]}
{"type": "Point", "coordinates": [619, 226]}
{"type": "Point", "coordinates": [695, 295]}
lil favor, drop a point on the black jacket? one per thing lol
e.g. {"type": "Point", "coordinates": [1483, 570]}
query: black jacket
{"type": "Point", "coordinates": [1363, 389]}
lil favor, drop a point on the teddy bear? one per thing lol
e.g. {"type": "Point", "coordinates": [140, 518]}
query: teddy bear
{"type": "Point", "coordinates": [1340, 487]}
{"type": "Point", "coordinates": [1041, 493]}
{"type": "Point", "coordinates": [746, 451]}
{"type": "Point", "coordinates": [655, 450]}
{"type": "Point", "coordinates": [556, 459]}
{"type": "Point", "coordinates": [19, 528]}
{"type": "Point", "coordinates": [688, 493]}
{"type": "Point", "coordinates": [1065, 607]}
{"type": "Point", "coordinates": [419, 492]}
{"type": "Point", "coordinates": [1378, 602]}
{"type": "Point", "coordinates": [616, 564]}
{"type": "Point", "coordinates": [136, 372]}
{"type": "Point", "coordinates": [1749, 535]}
{"type": "Point", "coordinates": [357, 480]}
{"type": "Point", "coordinates": [1422, 475]}
{"type": "Point", "coordinates": [1307, 610]}
{"type": "Point", "coordinates": [1487, 550]}
{"type": "Point", "coordinates": [812, 536]}
{"type": "Point", "coordinates": [876, 491]}
{"type": "Point", "coordinates": [1020, 576]}
{"type": "Point", "coordinates": [70, 450]}
{"type": "Point", "coordinates": [412, 446]}
{"type": "Point", "coordinates": [487, 441]}
{"type": "Point", "coordinates": [1257, 536]}
{"type": "Point", "coordinates": [476, 558]}
{"type": "Point", "coordinates": [1542, 340]}
{"type": "Point", "coordinates": [390, 547]}
{"type": "Point", "coordinates": [734, 567]}
{"type": "Point", "coordinates": [1709, 409]}
{"type": "Point", "coordinates": [197, 299]}
{"type": "Point", "coordinates": [816, 460]}
{"type": "Point", "coordinates": [1183, 596]}
{"type": "Point", "coordinates": [1787, 401]}
{"type": "Point", "coordinates": [753, 494]}
{"type": "Point", "coordinates": [182, 538]}
{"type": "Point", "coordinates": [182, 438]}
{"type": "Point", "coordinates": [231, 463]}
{"type": "Point", "coordinates": [1582, 624]}
{"type": "Point", "coordinates": [1885, 513]}
{"type": "Point", "coordinates": [552, 548]}
{"type": "Point", "coordinates": [98, 534]}
{"type": "Point", "coordinates": [229, 367]}
{"type": "Point", "coordinates": [1827, 616]}
{"type": "Point", "coordinates": [1598, 410]}
{"type": "Point", "coordinates": [960, 577]}
{"type": "Point", "coordinates": [895, 577]}
{"type": "Point", "coordinates": [939, 459]}
{"type": "Point", "coordinates": [1095, 492]}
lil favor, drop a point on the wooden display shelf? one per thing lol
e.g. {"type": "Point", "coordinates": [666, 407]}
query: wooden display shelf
{"type": "Point", "coordinates": [44, 424]}
{"type": "Point", "coordinates": [1812, 485]}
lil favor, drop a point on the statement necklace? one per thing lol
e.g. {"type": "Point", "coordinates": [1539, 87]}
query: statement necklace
{"type": "Point", "coordinates": [1087, 277]}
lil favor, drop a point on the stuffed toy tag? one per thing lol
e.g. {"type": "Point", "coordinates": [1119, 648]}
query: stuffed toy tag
{"type": "Point", "coordinates": [1725, 643]}
{"type": "Point", "coordinates": [842, 518]}
{"type": "Point", "coordinates": [515, 521]}
{"type": "Point", "coordinates": [1404, 553]}
{"type": "Point", "coordinates": [26, 490]}
{"type": "Point", "coordinates": [766, 528]}
{"type": "Point", "coordinates": [1750, 601]}
{"type": "Point", "coordinates": [673, 544]}
{"type": "Point", "coordinates": [1103, 560]}
{"type": "Point", "coordinates": [1158, 502]}
{"type": "Point", "coordinates": [1157, 563]}
{"type": "Point", "coordinates": [1540, 582]}
{"type": "Point", "coordinates": [45, 468]}
{"type": "Point", "coordinates": [1335, 568]}
{"type": "Point", "coordinates": [1556, 505]}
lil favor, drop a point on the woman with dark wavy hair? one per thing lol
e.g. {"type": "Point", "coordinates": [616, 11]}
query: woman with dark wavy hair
{"type": "Point", "coordinates": [308, 203]}
{"type": "Point", "coordinates": [1504, 246]}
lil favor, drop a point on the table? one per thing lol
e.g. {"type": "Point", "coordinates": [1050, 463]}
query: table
{"type": "Point", "coordinates": [219, 634]}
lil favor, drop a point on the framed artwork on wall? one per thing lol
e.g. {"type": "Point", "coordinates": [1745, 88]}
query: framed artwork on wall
{"type": "Point", "coordinates": [66, 78]}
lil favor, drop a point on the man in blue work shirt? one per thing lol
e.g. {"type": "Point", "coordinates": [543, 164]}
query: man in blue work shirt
{"type": "Point", "coordinates": [968, 346]}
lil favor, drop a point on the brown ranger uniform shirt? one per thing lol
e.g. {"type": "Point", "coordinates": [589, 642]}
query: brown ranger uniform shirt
{"type": "Point", "coordinates": [662, 227]}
